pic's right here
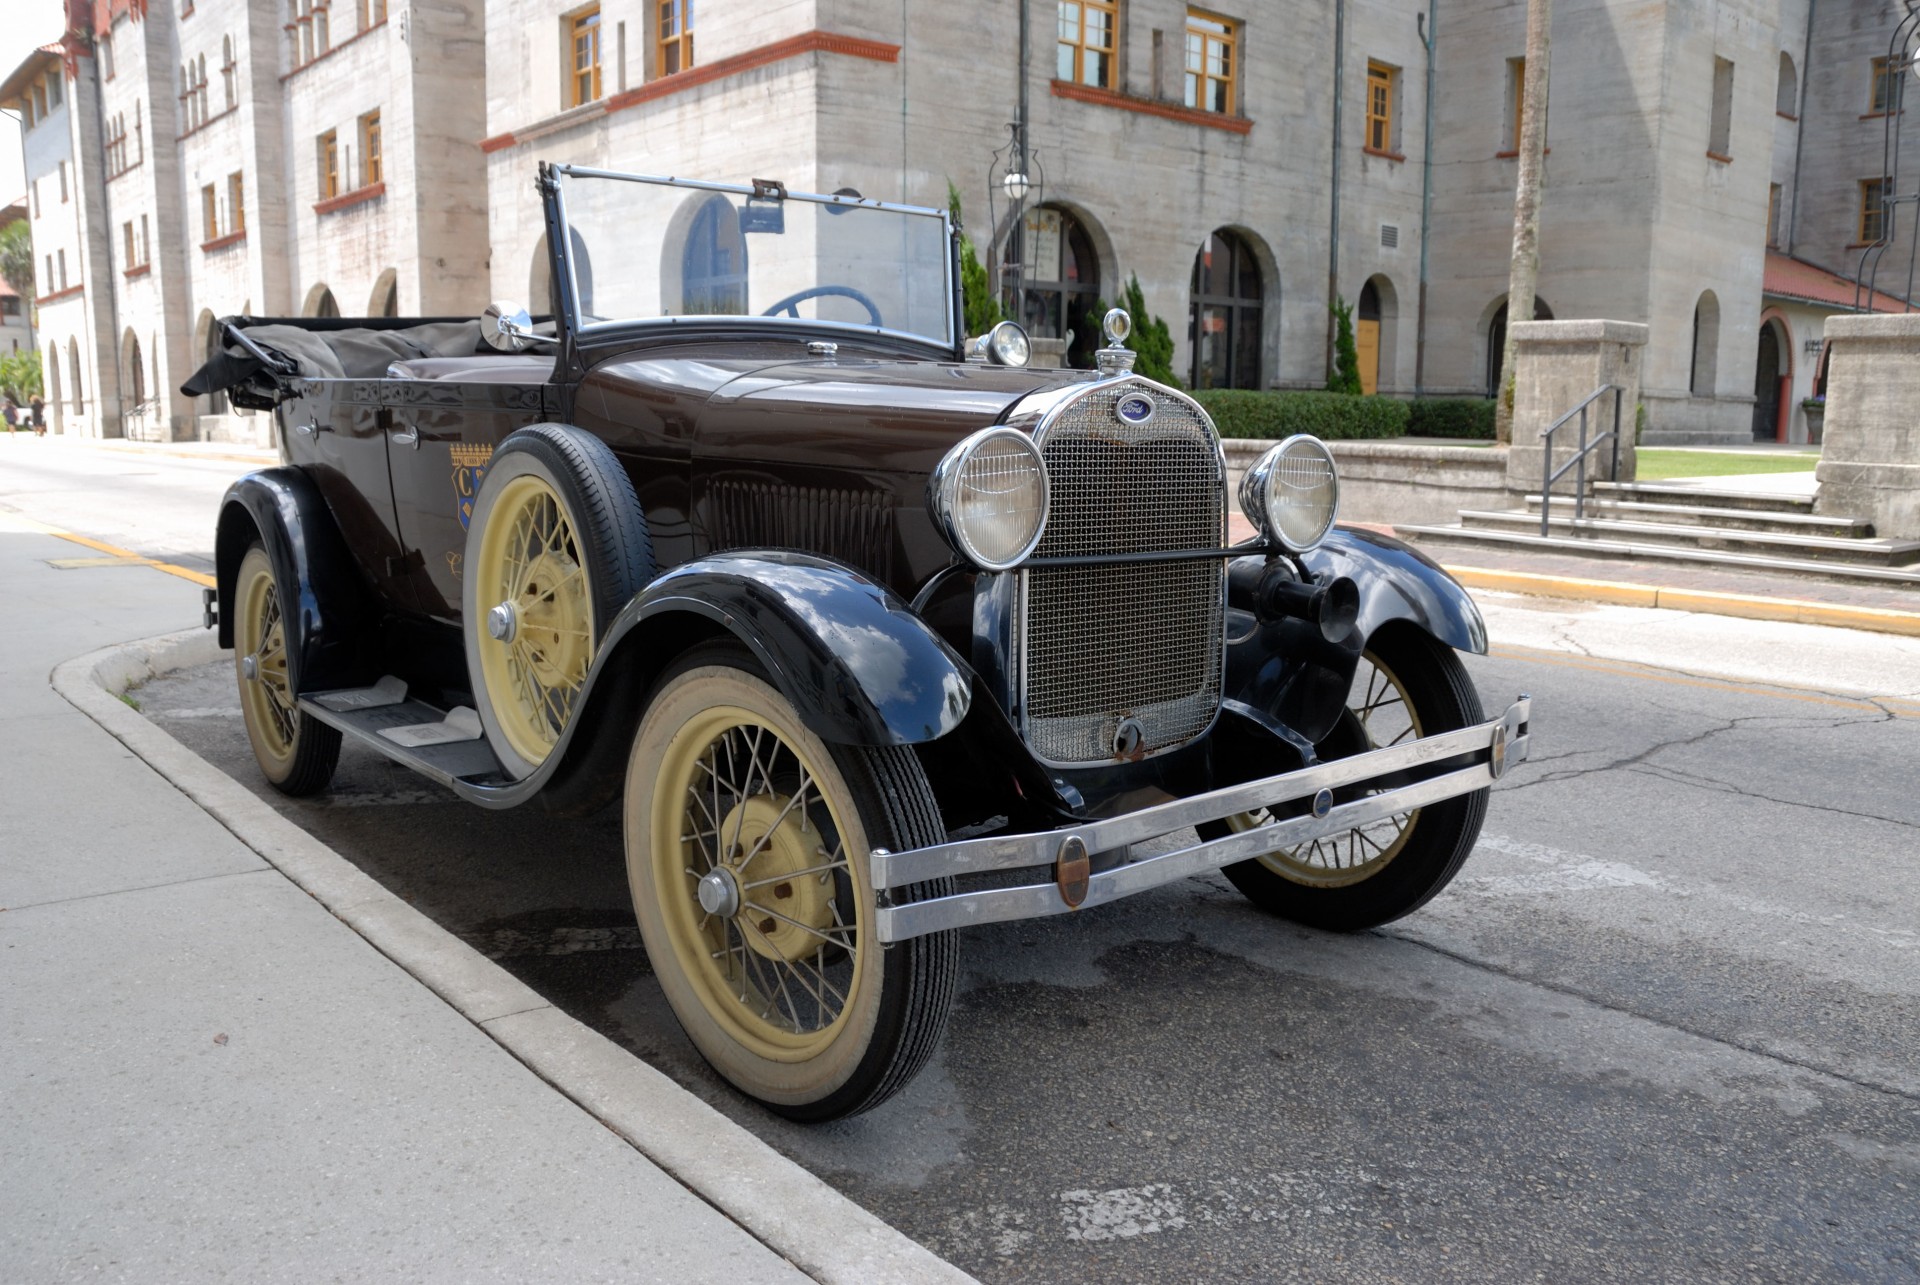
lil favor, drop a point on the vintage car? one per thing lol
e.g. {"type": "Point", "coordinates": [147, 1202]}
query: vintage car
{"type": "Point", "coordinates": [873, 632]}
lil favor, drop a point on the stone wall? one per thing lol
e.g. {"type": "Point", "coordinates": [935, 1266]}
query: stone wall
{"type": "Point", "coordinates": [1389, 482]}
{"type": "Point", "coordinates": [1870, 463]}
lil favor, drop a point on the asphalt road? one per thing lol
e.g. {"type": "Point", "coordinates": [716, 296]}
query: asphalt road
{"type": "Point", "coordinates": [1665, 1026]}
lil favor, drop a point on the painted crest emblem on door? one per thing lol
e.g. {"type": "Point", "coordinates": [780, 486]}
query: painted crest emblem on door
{"type": "Point", "coordinates": [469, 467]}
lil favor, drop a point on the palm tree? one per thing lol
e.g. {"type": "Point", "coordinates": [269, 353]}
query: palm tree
{"type": "Point", "coordinates": [1532, 145]}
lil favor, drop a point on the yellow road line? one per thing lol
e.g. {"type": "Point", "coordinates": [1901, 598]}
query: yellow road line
{"type": "Point", "coordinates": [1629, 669]}
{"type": "Point", "coordinates": [1747, 606]}
{"type": "Point", "coordinates": [133, 559]}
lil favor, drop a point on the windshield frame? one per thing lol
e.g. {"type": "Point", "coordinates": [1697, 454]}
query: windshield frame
{"type": "Point", "coordinates": [579, 330]}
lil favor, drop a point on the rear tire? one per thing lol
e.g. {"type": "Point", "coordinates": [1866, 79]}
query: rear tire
{"type": "Point", "coordinates": [747, 839]}
{"type": "Point", "coordinates": [297, 752]}
{"type": "Point", "coordinates": [556, 546]}
{"type": "Point", "coordinates": [1408, 685]}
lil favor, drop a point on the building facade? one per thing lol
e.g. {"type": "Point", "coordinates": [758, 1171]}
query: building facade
{"type": "Point", "coordinates": [267, 157]}
{"type": "Point", "coordinates": [1713, 167]}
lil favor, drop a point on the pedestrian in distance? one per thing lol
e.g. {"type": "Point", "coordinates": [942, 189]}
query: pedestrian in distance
{"type": "Point", "coordinates": [39, 416]}
{"type": "Point", "coordinates": [12, 413]}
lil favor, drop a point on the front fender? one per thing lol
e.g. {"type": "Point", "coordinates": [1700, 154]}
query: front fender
{"type": "Point", "coordinates": [1398, 582]}
{"type": "Point", "coordinates": [859, 667]}
{"type": "Point", "coordinates": [1287, 670]}
{"type": "Point", "coordinates": [323, 602]}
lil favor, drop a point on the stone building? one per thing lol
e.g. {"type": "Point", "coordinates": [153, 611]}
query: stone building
{"type": "Point", "coordinates": [1714, 168]}
{"type": "Point", "coordinates": [16, 318]}
{"type": "Point", "coordinates": [272, 157]}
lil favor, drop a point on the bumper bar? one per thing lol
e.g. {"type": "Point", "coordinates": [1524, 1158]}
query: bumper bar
{"type": "Point", "coordinates": [1492, 745]}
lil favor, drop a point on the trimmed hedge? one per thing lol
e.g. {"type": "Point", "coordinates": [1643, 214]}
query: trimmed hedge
{"type": "Point", "coordinates": [1470, 417]}
{"type": "Point", "coordinates": [1246, 412]}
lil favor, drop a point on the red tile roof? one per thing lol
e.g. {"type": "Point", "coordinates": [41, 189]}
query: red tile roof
{"type": "Point", "coordinates": [1789, 278]}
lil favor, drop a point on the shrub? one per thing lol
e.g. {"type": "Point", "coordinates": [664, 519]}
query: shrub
{"type": "Point", "coordinates": [1245, 412]}
{"type": "Point", "coordinates": [1470, 417]}
{"type": "Point", "coordinates": [980, 308]}
{"type": "Point", "coordinates": [1345, 377]}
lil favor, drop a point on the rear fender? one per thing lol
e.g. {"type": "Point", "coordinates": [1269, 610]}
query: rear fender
{"type": "Point", "coordinates": [323, 602]}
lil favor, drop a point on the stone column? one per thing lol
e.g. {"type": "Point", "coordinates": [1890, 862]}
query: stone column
{"type": "Point", "coordinates": [1870, 457]}
{"type": "Point", "coordinates": [1556, 364]}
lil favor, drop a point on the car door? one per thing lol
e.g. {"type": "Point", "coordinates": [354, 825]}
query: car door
{"type": "Point", "coordinates": [336, 432]}
{"type": "Point", "coordinates": [440, 435]}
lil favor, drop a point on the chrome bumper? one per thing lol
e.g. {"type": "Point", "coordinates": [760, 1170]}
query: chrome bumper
{"type": "Point", "coordinates": [1494, 745]}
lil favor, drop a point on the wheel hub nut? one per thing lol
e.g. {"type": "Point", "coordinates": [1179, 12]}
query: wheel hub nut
{"type": "Point", "coordinates": [719, 894]}
{"type": "Point", "coordinates": [250, 668]}
{"type": "Point", "coordinates": [503, 622]}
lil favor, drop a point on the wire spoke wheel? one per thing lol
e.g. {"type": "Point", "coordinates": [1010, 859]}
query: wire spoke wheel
{"type": "Point", "coordinates": [540, 640]}
{"type": "Point", "coordinates": [296, 752]}
{"type": "Point", "coordinates": [1406, 687]}
{"type": "Point", "coordinates": [747, 839]}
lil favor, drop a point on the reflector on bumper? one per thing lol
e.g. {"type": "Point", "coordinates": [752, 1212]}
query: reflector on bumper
{"type": "Point", "coordinates": [1488, 748]}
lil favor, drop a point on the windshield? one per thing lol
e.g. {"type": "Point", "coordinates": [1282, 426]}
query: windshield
{"type": "Point", "coordinates": [648, 248]}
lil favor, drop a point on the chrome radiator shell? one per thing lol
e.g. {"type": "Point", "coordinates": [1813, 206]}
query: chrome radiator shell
{"type": "Point", "coordinates": [1123, 661]}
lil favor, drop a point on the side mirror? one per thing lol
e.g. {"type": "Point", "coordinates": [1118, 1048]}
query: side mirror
{"type": "Point", "coordinates": [506, 327]}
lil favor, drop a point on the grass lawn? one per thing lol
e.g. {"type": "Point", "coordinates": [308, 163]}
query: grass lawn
{"type": "Point", "coordinates": [1661, 464]}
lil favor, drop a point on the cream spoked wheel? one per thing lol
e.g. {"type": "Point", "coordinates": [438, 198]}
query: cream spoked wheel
{"type": "Point", "coordinates": [1406, 686]}
{"type": "Point", "coordinates": [746, 843]}
{"type": "Point", "coordinates": [296, 752]}
{"type": "Point", "coordinates": [556, 546]}
{"type": "Point", "coordinates": [540, 627]}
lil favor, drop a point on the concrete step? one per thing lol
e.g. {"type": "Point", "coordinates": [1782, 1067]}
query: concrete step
{"type": "Point", "coordinates": [1466, 539]}
{"type": "Point", "coordinates": [1883, 553]}
{"type": "Point", "coordinates": [1780, 523]}
{"type": "Point", "coordinates": [1664, 493]}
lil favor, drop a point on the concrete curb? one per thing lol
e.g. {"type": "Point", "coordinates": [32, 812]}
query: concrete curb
{"type": "Point", "coordinates": [1793, 610]}
{"type": "Point", "coordinates": [786, 1208]}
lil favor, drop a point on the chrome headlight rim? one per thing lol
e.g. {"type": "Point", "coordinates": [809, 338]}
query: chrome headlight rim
{"type": "Point", "coordinates": [1256, 491]}
{"type": "Point", "coordinates": [943, 494]}
{"type": "Point", "coordinates": [1007, 344]}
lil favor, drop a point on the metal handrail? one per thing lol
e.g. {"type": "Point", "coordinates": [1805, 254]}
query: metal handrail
{"type": "Point", "coordinates": [1579, 461]}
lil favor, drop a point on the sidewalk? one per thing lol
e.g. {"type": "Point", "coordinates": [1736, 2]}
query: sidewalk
{"type": "Point", "coordinates": [259, 457]}
{"type": "Point", "coordinates": [204, 1075]}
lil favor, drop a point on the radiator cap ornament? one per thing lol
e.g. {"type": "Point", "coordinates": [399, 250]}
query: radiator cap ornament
{"type": "Point", "coordinates": [1116, 358]}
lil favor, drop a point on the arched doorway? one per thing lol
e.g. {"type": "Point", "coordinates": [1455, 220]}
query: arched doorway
{"type": "Point", "coordinates": [713, 263]}
{"type": "Point", "coordinates": [1497, 339]}
{"type": "Point", "coordinates": [1061, 279]}
{"type": "Point", "coordinates": [74, 372]}
{"type": "Point", "coordinates": [320, 303]}
{"type": "Point", "coordinates": [1702, 376]}
{"type": "Point", "coordinates": [53, 387]}
{"type": "Point", "coordinates": [1376, 318]}
{"type": "Point", "coordinates": [1224, 322]}
{"type": "Point", "coordinates": [136, 384]}
{"type": "Point", "coordinates": [385, 301]}
{"type": "Point", "coordinates": [206, 334]}
{"type": "Point", "coordinates": [1772, 376]}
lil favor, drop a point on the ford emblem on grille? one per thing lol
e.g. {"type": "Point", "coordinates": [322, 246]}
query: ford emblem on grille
{"type": "Point", "coordinates": [1135, 410]}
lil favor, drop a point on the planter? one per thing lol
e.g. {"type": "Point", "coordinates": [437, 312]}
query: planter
{"type": "Point", "coordinates": [1815, 417]}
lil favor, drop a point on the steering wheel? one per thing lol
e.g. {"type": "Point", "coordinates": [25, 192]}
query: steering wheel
{"type": "Point", "coordinates": [791, 304]}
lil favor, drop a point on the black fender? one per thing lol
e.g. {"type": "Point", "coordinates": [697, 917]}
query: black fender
{"type": "Point", "coordinates": [1289, 672]}
{"type": "Point", "coordinates": [323, 601]}
{"type": "Point", "coordinates": [859, 667]}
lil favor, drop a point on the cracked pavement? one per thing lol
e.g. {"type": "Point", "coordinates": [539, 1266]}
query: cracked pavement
{"type": "Point", "coordinates": [1665, 1025]}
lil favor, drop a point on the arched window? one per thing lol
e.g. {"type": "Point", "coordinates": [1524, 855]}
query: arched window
{"type": "Point", "coordinates": [1497, 340]}
{"type": "Point", "coordinates": [136, 371]}
{"type": "Point", "coordinates": [1786, 97]}
{"type": "Point", "coordinates": [1706, 344]}
{"type": "Point", "coordinates": [1060, 280]}
{"type": "Point", "coordinates": [229, 72]}
{"type": "Point", "coordinates": [713, 265]}
{"type": "Point", "coordinates": [1224, 318]}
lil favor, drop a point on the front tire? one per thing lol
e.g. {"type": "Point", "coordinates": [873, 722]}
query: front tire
{"type": "Point", "coordinates": [297, 753]}
{"type": "Point", "coordinates": [1407, 686]}
{"type": "Point", "coordinates": [746, 839]}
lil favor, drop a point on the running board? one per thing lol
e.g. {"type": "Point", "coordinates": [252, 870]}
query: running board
{"type": "Point", "coordinates": [363, 715]}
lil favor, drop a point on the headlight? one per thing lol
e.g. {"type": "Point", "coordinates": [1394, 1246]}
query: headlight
{"type": "Point", "coordinates": [1293, 492]}
{"type": "Point", "coordinates": [1005, 345]}
{"type": "Point", "coordinates": [990, 497]}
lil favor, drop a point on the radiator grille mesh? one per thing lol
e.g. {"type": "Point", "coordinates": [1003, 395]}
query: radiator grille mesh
{"type": "Point", "coordinates": [1142, 641]}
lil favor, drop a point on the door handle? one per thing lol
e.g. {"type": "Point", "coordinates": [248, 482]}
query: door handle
{"type": "Point", "coordinates": [311, 427]}
{"type": "Point", "coordinates": [408, 436]}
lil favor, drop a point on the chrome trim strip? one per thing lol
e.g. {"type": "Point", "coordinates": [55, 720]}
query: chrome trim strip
{"type": "Point", "coordinates": [1019, 851]}
{"type": "Point", "coordinates": [1031, 901]}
